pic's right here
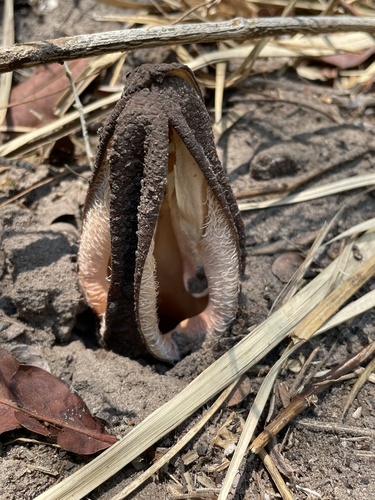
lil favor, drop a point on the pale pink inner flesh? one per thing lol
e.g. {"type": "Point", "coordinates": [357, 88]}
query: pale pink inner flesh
{"type": "Point", "coordinates": [175, 303]}
{"type": "Point", "coordinates": [94, 257]}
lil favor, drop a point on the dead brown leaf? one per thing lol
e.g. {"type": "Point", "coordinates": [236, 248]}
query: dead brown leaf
{"type": "Point", "coordinates": [242, 391]}
{"type": "Point", "coordinates": [38, 401]}
{"type": "Point", "coordinates": [32, 103]}
{"type": "Point", "coordinates": [285, 265]}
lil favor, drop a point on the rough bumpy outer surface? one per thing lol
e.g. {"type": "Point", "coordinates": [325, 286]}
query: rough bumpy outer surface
{"type": "Point", "coordinates": [134, 144]}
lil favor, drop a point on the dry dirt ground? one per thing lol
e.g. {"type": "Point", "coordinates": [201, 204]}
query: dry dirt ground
{"type": "Point", "coordinates": [287, 130]}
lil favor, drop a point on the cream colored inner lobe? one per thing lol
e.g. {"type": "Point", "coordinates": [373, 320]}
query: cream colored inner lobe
{"type": "Point", "coordinates": [192, 233]}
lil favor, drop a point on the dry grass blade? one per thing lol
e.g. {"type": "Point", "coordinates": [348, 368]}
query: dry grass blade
{"type": "Point", "coordinates": [89, 73]}
{"type": "Point", "coordinates": [252, 422]}
{"type": "Point", "coordinates": [295, 283]}
{"type": "Point", "coordinates": [17, 129]}
{"type": "Point", "coordinates": [358, 307]}
{"type": "Point", "coordinates": [178, 446]}
{"type": "Point", "coordinates": [312, 46]}
{"type": "Point", "coordinates": [355, 308]}
{"type": "Point", "coordinates": [321, 45]}
{"type": "Point", "coordinates": [81, 116]}
{"type": "Point", "coordinates": [7, 40]}
{"type": "Point", "coordinates": [310, 6]}
{"type": "Point", "coordinates": [244, 70]}
{"type": "Point", "coordinates": [268, 383]}
{"type": "Point", "coordinates": [59, 128]}
{"type": "Point", "coordinates": [230, 119]}
{"type": "Point", "coordinates": [143, 18]}
{"type": "Point", "coordinates": [367, 74]}
{"type": "Point", "coordinates": [126, 4]}
{"type": "Point", "coordinates": [262, 397]}
{"type": "Point", "coordinates": [330, 7]}
{"type": "Point", "coordinates": [358, 228]}
{"type": "Point", "coordinates": [213, 380]}
{"type": "Point", "coordinates": [359, 384]}
{"type": "Point", "coordinates": [117, 70]}
{"type": "Point", "coordinates": [356, 182]}
{"type": "Point", "coordinates": [313, 321]}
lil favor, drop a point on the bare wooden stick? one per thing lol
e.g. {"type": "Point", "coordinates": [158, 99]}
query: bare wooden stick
{"type": "Point", "coordinates": [276, 476]}
{"type": "Point", "coordinates": [308, 397]}
{"type": "Point", "coordinates": [335, 428]}
{"type": "Point", "coordinates": [7, 39]}
{"type": "Point", "coordinates": [60, 49]}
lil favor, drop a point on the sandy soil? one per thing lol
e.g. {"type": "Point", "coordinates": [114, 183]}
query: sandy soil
{"type": "Point", "coordinates": [286, 130]}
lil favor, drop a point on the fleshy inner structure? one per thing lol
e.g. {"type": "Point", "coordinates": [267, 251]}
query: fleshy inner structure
{"type": "Point", "coordinates": [190, 281]}
{"type": "Point", "coordinates": [190, 278]}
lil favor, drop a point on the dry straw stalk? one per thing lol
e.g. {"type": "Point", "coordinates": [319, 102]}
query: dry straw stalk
{"type": "Point", "coordinates": [214, 379]}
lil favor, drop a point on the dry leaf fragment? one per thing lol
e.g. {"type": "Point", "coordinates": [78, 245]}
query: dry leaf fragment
{"type": "Point", "coordinates": [346, 61]}
{"type": "Point", "coordinates": [33, 398]}
{"type": "Point", "coordinates": [32, 102]}
{"type": "Point", "coordinates": [286, 265]}
{"type": "Point", "coordinates": [242, 391]}
{"type": "Point", "coordinates": [162, 247]}
{"type": "Point", "coordinates": [8, 367]}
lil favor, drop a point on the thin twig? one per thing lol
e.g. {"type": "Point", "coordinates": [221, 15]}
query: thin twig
{"type": "Point", "coordinates": [193, 9]}
{"type": "Point", "coordinates": [60, 49]}
{"type": "Point", "coordinates": [276, 476]}
{"type": "Point", "coordinates": [301, 374]}
{"type": "Point", "coordinates": [245, 69]}
{"type": "Point", "coordinates": [334, 427]}
{"type": "Point", "coordinates": [38, 185]}
{"type": "Point", "coordinates": [321, 363]}
{"type": "Point", "coordinates": [330, 8]}
{"type": "Point", "coordinates": [308, 396]}
{"type": "Point", "coordinates": [287, 187]}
